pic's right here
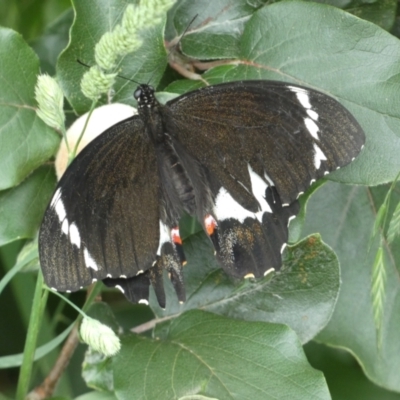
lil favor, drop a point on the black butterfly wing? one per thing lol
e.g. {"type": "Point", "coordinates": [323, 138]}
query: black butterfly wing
{"type": "Point", "coordinates": [103, 220]}
{"type": "Point", "coordinates": [262, 144]}
{"type": "Point", "coordinates": [292, 134]}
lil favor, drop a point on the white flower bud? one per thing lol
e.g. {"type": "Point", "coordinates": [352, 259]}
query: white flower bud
{"type": "Point", "coordinates": [95, 82]}
{"type": "Point", "coordinates": [104, 52]}
{"type": "Point", "coordinates": [50, 99]}
{"type": "Point", "coordinates": [99, 337]}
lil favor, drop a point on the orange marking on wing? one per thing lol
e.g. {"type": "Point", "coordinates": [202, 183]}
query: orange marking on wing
{"type": "Point", "coordinates": [175, 236]}
{"type": "Point", "coordinates": [210, 224]}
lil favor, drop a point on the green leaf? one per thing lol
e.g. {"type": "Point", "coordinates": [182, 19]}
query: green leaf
{"type": "Point", "coordinates": [201, 353]}
{"type": "Point", "coordinates": [345, 217]}
{"type": "Point", "coordinates": [97, 396]}
{"type": "Point", "coordinates": [97, 371]}
{"type": "Point", "coordinates": [346, 380]}
{"type": "Point", "coordinates": [22, 208]}
{"type": "Point", "coordinates": [26, 142]}
{"type": "Point", "coordinates": [28, 259]}
{"type": "Point", "coordinates": [381, 12]}
{"type": "Point", "coordinates": [303, 295]}
{"type": "Point", "coordinates": [220, 36]}
{"type": "Point", "coordinates": [92, 19]}
{"type": "Point", "coordinates": [54, 39]}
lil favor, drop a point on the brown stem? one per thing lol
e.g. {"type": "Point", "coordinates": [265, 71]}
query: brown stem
{"type": "Point", "coordinates": [151, 324]}
{"type": "Point", "coordinates": [46, 389]}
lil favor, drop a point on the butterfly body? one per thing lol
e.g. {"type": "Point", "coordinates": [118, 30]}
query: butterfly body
{"type": "Point", "coordinates": [236, 156]}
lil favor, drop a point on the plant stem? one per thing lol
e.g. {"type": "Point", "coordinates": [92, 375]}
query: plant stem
{"type": "Point", "coordinates": [38, 306]}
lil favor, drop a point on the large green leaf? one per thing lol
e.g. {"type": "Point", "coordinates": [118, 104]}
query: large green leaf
{"type": "Point", "coordinates": [53, 40]}
{"type": "Point", "coordinates": [26, 142]}
{"type": "Point", "coordinates": [204, 354]}
{"type": "Point", "coordinates": [215, 32]}
{"type": "Point", "coordinates": [345, 217]}
{"type": "Point", "coordinates": [303, 295]}
{"type": "Point", "coordinates": [345, 378]}
{"type": "Point", "coordinates": [22, 208]}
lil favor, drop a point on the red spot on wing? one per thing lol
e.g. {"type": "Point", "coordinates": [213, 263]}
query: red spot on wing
{"type": "Point", "coordinates": [176, 238]}
{"type": "Point", "coordinates": [210, 223]}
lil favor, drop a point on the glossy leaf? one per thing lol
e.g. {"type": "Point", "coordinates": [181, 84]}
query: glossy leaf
{"type": "Point", "coordinates": [26, 142]}
{"type": "Point", "coordinates": [303, 295]}
{"type": "Point", "coordinates": [53, 40]}
{"type": "Point", "coordinates": [204, 354]}
{"type": "Point", "coordinates": [345, 217]}
{"type": "Point", "coordinates": [22, 208]}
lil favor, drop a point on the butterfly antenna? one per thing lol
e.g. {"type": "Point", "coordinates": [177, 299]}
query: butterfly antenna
{"type": "Point", "coordinates": [183, 34]}
{"type": "Point", "coordinates": [177, 43]}
{"type": "Point", "coordinates": [119, 76]}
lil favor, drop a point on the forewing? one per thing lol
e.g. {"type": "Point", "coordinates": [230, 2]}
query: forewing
{"type": "Point", "coordinates": [103, 220]}
{"type": "Point", "coordinates": [290, 134]}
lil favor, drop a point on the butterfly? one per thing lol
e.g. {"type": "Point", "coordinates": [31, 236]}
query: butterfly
{"type": "Point", "coordinates": [235, 155]}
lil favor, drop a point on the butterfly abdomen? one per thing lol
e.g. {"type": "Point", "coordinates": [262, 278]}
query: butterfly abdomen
{"type": "Point", "coordinates": [176, 181]}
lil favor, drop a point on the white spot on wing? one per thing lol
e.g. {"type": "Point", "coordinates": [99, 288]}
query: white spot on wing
{"type": "Point", "coordinates": [318, 156]}
{"type": "Point", "coordinates": [164, 236]}
{"type": "Point", "coordinates": [258, 187]}
{"type": "Point", "coordinates": [143, 301]}
{"type": "Point", "coordinates": [313, 114]}
{"type": "Point", "coordinates": [74, 236]}
{"type": "Point", "coordinates": [283, 247]}
{"type": "Point", "coordinates": [268, 271]}
{"type": "Point", "coordinates": [65, 226]}
{"type": "Point", "coordinates": [303, 98]}
{"type": "Point", "coordinates": [89, 260]}
{"type": "Point", "coordinates": [312, 127]}
{"type": "Point", "coordinates": [60, 209]}
{"type": "Point", "coordinates": [227, 207]}
{"type": "Point", "coordinates": [120, 288]}
{"type": "Point", "coordinates": [268, 179]}
{"type": "Point", "coordinates": [302, 95]}
{"type": "Point", "coordinates": [55, 198]}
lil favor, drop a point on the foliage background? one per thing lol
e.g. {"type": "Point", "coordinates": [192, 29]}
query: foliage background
{"type": "Point", "coordinates": [45, 26]}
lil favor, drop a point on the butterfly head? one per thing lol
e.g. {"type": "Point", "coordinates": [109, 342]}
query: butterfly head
{"type": "Point", "coordinates": [144, 95]}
